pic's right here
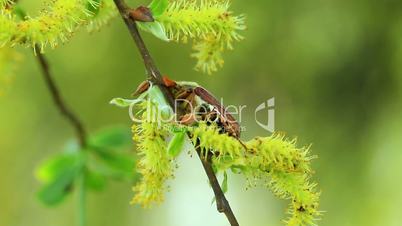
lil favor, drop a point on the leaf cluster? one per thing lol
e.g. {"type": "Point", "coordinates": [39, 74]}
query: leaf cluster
{"type": "Point", "coordinates": [106, 158]}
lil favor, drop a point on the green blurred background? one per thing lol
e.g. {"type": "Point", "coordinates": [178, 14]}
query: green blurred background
{"type": "Point", "coordinates": [334, 68]}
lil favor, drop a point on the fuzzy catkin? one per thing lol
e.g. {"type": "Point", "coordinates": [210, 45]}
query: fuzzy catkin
{"type": "Point", "coordinates": [209, 23]}
{"type": "Point", "coordinates": [275, 161]}
{"type": "Point", "coordinates": [3, 3]}
{"type": "Point", "coordinates": [55, 24]}
{"type": "Point", "coordinates": [155, 165]}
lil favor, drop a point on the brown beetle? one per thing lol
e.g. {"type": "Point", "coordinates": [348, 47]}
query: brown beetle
{"type": "Point", "coordinates": [197, 103]}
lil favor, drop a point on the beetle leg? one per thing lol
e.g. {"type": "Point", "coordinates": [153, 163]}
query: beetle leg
{"type": "Point", "coordinates": [143, 87]}
{"type": "Point", "coordinates": [188, 119]}
{"type": "Point", "coordinates": [183, 94]}
{"type": "Point", "coordinates": [189, 101]}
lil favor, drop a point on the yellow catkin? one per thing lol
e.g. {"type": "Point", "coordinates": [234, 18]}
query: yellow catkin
{"type": "Point", "coordinates": [274, 160]}
{"type": "Point", "coordinates": [155, 165]}
{"type": "Point", "coordinates": [209, 23]}
{"type": "Point", "coordinates": [55, 24]}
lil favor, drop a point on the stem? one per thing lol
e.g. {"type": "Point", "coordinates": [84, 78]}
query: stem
{"type": "Point", "coordinates": [65, 111]}
{"type": "Point", "coordinates": [153, 72]}
{"type": "Point", "coordinates": [222, 203]}
{"type": "Point", "coordinates": [155, 77]}
{"type": "Point", "coordinates": [54, 90]}
{"type": "Point", "coordinates": [81, 201]}
{"type": "Point", "coordinates": [68, 114]}
{"type": "Point", "coordinates": [75, 123]}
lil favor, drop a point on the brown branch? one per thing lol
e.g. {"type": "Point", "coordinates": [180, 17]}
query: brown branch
{"type": "Point", "coordinates": [58, 100]}
{"type": "Point", "coordinates": [55, 92]}
{"type": "Point", "coordinates": [153, 72]}
{"type": "Point", "coordinates": [222, 203]}
{"type": "Point", "coordinates": [156, 77]}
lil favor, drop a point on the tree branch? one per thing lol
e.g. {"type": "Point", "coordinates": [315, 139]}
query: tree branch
{"type": "Point", "coordinates": [222, 203]}
{"type": "Point", "coordinates": [156, 77]}
{"type": "Point", "coordinates": [55, 92]}
{"type": "Point", "coordinates": [59, 101]}
{"type": "Point", "coordinates": [153, 72]}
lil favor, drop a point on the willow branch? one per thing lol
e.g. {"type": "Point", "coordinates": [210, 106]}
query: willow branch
{"type": "Point", "coordinates": [65, 111]}
{"type": "Point", "coordinates": [153, 72]}
{"type": "Point", "coordinates": [222, 203]}
{"type": "Point", "coordinates": [156, 77]}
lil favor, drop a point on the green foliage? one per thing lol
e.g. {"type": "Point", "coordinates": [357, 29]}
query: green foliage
{"type": "Point", "coordinates": [57, 175]}
{"type": "Point", "coordinates": [176, 144]}
{"type": "Point", "coordinates": [111, 138]}
{"type": "Point", "coordinates": [111, 158]}
{"type": "Point", "coordinates": [154, 28]}
{"type": "Point", "coordinates": [224, 185]}
{"type": "Point", "coordinates": [157, 8]}
{"type": "Point", "coordinates": [106, 158]}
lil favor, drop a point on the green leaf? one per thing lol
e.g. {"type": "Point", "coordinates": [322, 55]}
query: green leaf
{"type": "Point", "coordinates": [120, 102]}
{"type": "Point", "coordinates": [58, 175]}
{"type": "Point", "coordinates": [158, 7]}
{"type": "Point", "coordinates": [112, 138]}
{"type": "Point", "coordinates": [155, 28]}
{"type": "Point", "coordinates": [118, 166]}
{"type": "Point", "coordinates": [176, 144]}
{"type": "Point", "coordinates": [95, 181]}
{"type": "Point", "coordinates": [53, 167]}
{"type": "Point", "coordinates": [225, 182]}
{"type": "Point", "coordinates": [157, 97]}
{"type": "Point", "coordinates": [224, 186]}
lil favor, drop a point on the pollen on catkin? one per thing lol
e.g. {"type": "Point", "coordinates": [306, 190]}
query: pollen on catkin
{"type": "Point", "coordinates": [209, 23]}
{"type": "Point", "coordinates": [55, 24]}
{"type": "Point", "coordinates": [106, 10]}
{"type": "Point", "coordinates": [4, 3]}
{"type": "Point", "coordinates": [274, 161]}
{"type": "Point", "coordinates": [155, 165]}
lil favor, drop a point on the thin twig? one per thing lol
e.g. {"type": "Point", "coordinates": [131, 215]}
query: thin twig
{"type": "Point", "coordinates": [153, 72]}
{"type": "Point", "coordinates": [59, 101]}
{"type": "Point", "coordinates": [76, 124]}
{"type": "Point", "coordinates": [55, 91]}
{"type": "Point", "coordinates": [222, 203]}
{"type": "Point", "coordinates": [156, 77]}
{"type": "Point", "coordinates": [71, 118]}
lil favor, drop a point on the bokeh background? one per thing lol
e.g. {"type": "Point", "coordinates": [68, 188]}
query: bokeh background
{"type": "Point", "coordinates": [334, 68]}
